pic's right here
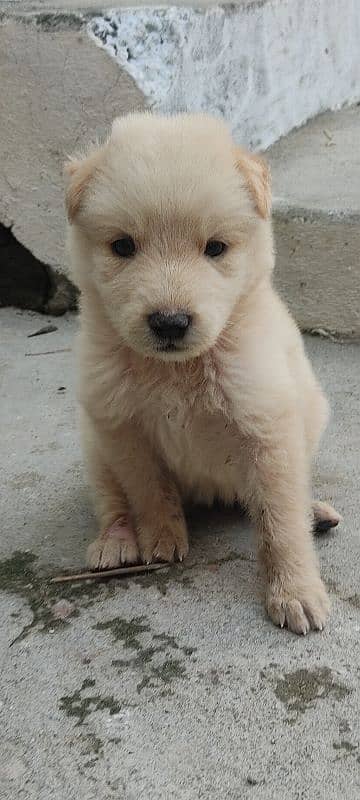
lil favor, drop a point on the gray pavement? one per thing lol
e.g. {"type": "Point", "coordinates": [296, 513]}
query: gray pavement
{"type": "Point", "coordinates": [175, 685]}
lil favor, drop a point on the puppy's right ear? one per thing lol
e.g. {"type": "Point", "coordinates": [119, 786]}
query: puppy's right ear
{"type": "Point", "coordinates": [78, 174]}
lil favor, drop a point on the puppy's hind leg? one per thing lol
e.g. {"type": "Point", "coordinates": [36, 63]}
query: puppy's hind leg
{"type": "Point", "coordinates": [325, 517]}
{"type": "Point", "coordinates": [117, 542]}
{"type": "Point", "coordinates": [315, 420]}
{"type": "Point", "coordinates": [317, 413]}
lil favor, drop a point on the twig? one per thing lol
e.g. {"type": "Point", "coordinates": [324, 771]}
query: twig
{"type": "Point", "coordinates": [108, 573]}
{"type": "Point", "coordinates": [50, 352]}
{"type": "Point", "coordinates": [41, 331]}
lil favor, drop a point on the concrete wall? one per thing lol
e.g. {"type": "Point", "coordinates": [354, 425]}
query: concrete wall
{"type": "Point", "coordinates": [265, 66]}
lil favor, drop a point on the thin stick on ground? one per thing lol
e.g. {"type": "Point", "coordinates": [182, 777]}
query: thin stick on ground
{"type": "Point", "coordinates": [50, 352]}
{"type": "Point", "coordinates": [109, 573]}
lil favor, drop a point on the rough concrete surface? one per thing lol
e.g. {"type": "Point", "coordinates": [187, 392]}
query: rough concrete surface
{"type": "Point", "coordinates": [316, 179]}
{"type": "Point", "coordinates": [58, 92]}
{"type": "Point", "coordinates": [265, 66]}
{"type": "Point", "coordinates": [326, 150]}
{"type": "Point", "coordinates": [175, 685]}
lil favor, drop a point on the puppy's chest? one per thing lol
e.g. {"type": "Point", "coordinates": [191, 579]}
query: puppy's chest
{"type": "Point", "coordinates": [192, 429]}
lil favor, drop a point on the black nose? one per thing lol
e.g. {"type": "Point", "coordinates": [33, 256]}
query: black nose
{"type": "Point", "coordinates": [166, 325]}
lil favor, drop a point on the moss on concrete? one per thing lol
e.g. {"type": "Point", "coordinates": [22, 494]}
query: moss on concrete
{"type": "Point", "coordinates": [301, 689]}
{"type": "Point", "coordinates": [345, 746]}
{"type": "Point", "coordinates": [171, 669]}
{"type": "Point", "coordinates": [124, 631]}
{"type": "Point", "coordinates": [93, 745]}
{"type": "Point", "coordinates": [81, 706]}
{"type": "Point", "coordinates": [16, 572]}
{"type": "Point", "coordinates": [18, 576]}
{"type": "Point", "coordinates": [162, 579]}
{"type": "Point", "coordinates": [153, 674]}
{"type": "Point", "coordinates": [52, 22]}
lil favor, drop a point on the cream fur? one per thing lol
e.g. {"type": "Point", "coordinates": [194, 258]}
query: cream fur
{"type": "Point", "coordinates": [235, 412]}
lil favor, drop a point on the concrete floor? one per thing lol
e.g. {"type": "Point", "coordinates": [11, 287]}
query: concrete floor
{"type": "Point", "coordinates": [174, 685]}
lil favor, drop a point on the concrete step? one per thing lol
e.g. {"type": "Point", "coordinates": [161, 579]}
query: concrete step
{"type": "Point", "coordinates": [316, 180]}
{"type": "Point", "coordinates": [266, 67]}
{"type": "Point", "coordinates": [58, 90]}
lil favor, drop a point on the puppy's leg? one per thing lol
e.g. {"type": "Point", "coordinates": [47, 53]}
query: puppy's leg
{"type": "Point", "coordinates": [325, 517]}
{"type": "Point", "coordinates": [316, 413]}
{"type": "Point", "coordinates": [279, 502]}
{"type": "Point", "coordinates": [117, 542]}
{"type": "Point", "coordinates": [153, 498]}
{"type": "Point", "coordinates": [315, 420]}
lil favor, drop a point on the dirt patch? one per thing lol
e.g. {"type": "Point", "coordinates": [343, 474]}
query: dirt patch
{"type": "Point", "coordinates": [92, 746]}
{"type": "Point", "coordinates": [171, 669]}
{"type": "Point", "coordinates": [18, 576]}
{"type": "Point", "coordinates": [352, 599]}
{"type": "Point", "coordinates": [80, 706]}
{"type": "Point", "coordinates": [345, 749]}
{"type": "Point", "coordinates": [161, 580]}
{"type": "Point", "coordinates": [147, 661]}
{"type": "Point", "coordinates": [303, 688]}
{"type": "Point", "coordinates": [124, 631]}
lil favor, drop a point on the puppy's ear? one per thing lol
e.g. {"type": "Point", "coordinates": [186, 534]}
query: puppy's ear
{"type": "Point", "coordinates": [257, 178]}
{"type": "Point", "coordinates": [78, 174]}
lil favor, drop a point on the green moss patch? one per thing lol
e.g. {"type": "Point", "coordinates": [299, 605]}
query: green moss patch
{"type": "Point", "coordinates": [80, 706]}
{"type": "Point", "coordinates": [124, 631]}
{"type": "Point", "coordinates": [18, 576]}
{"type": "Point", "coordinates": [171, 669]}
{"type": "Point", "coordinates": [301, 689]}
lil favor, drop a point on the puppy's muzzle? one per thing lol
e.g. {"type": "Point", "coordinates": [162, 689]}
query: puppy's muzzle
{"type": "Point", "coordinates": [168, 326]}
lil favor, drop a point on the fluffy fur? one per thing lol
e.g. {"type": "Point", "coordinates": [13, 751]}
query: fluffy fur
{"type": "Point", "coordinates": [233, 411]}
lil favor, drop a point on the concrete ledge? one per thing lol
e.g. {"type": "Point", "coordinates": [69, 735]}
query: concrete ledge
{"type": "Point", "coordinates": [58, 90]}
{"type": "Point", "coordinates": [316, 177]}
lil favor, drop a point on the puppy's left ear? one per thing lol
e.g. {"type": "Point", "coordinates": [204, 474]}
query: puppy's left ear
{"type": "Point", "coordinates": [257, 178]}
{"type": "Point", "coordinates": [78, 173]}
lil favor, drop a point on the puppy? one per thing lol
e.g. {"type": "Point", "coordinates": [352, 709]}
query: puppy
{"type": "Point", "coordinates": [194, 381]}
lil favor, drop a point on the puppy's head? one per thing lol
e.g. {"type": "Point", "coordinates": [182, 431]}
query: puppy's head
{"type": "Point", "coordinates": [170, 227]}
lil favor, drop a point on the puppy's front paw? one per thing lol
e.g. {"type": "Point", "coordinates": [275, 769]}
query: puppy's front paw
{"type": "Point", "coordinates": [300, 606]}
{"type": "Point", "coordinates": [165, 540]}
{"type": "Point", "coordinates": [116, 546]}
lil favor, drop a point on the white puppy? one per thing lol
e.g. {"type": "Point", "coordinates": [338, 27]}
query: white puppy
{"type": "Point", "coordinates": [194, 381]}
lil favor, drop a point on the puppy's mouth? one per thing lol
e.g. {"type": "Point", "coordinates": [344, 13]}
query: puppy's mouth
{"type": "Point", "coordinates": [170, 350]}
{"type": "Point", "coordinates": [169, 347]}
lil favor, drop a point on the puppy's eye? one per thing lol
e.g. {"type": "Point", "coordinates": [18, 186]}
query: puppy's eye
{"type": "Point", "coordinates": [214, 248]}
{"type": "Point", "coordinates": [125, 248]}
